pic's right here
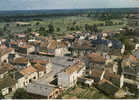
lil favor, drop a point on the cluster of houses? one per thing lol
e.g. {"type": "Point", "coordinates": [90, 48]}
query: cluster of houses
{"type": "Point", "coordinates": [17, 70]}
{"type": "Point", "coordinates": [95, 60]}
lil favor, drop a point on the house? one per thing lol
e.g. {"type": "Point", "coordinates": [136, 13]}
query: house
{"type": "Point", "coordinates": [96, 75]}
{"type": "Point", "coordinates": [21, 36]}
{"type": "Point", "coordinates": [59, 48]}
{"type": "Point", "coordinates": [105, 46]}
{"type": "Point", "coordinates": [35, 34]}
{"type": "Point", "coordinates": [107, 87]}
{"type": "Point", "coordinates": [21, 61]}
{"type": "Point", "coordinates": [13, 44]}
{"type": "Point", "coordinates": [99, 75]}
{"type": "Point", "coordinates": [40, 69]}
{"type": "Point", "coordinates": [41, 91]}
{"type": "Point", "coordinates": [5, 68]}
{"type": "Point", "coordinates": [7, 85]}
{"type": "Point", "coordinates": [25, 48]}
{"type": "Point", "coordinates": [21, 46]}
{"type": "Point", "coordinates": [112, 65]}
{"type": "Point", "coordinates": [130, 66]}
{"type": "Point", "coordinates": [20, 79]}
{"type": "Point", "coordinates": [69, 38]}
{"type": "Point", "coordinates": [113, 78]}
{"type": "Point", "coordinates": [45, 63]}
{"type": "Point", "coordinates": [136, 54]}
{"type": "Point", "coordinates": [68, 77]}
{"type": "Point", "coordinates": [4, 53]}
{"type": "Point", "coordinates": [107, 33]}
{"type": "Point", "coordinates": [81, 48]}
{"type": "Point", "coordinates": [53, 47]}
{"type": "Point", "coordinates": [95, 60]}
{"type": "Point", "coordinates": [30, 74]}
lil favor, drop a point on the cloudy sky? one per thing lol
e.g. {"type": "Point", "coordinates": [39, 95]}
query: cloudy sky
{"type": "Point", "coordinates": [65, 4]}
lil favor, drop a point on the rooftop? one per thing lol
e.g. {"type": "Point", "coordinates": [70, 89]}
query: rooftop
{"type": "Point", "coordinates": [96, 57]}
{"type": "Point", "coordinates": [55, 44]}
{"type": "Point", "coordinates": [4, 67]}
{"type": "Point", "coordinates": [96, 73]}
{"type": "Point", "coordinates": [6, 82]}
{"type": "Point", "coordinates": [40, 61]}
{"type": "Point", "coordinates": [76, 67]}
{"type": "Point", "coordinates": [20, 60]}
{"type": "Point", "coordinates": [28, 71]}
{"type": "Point", "coordinates": [39, 67]}
{"type": "Point", "coordinates": [82, 44]}
{"type": "Point", "coordinates": [4, 50]}
{"type": "Point", "coordinates": [107, 87]}
{"type": "Point", "coordinates": [39, 89]}
{"type": "Point", "coordinates": [17, 75]}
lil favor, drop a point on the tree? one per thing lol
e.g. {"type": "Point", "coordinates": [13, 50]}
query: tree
{"type": "Point", "coordinates": [4, 28]}
{"type": "Point", "coordinates": [108, 23]}
{"type": "Point", "coordinates": [17, 25]}
{"type": "Point", "coordinates": [51, 28]}
{"type": "Point", "coordinates": [58, 29]}
{"type": "Point", "coordinates": [95, 29]}
{"type": "Point", "coordinates": [42, 29]}
{"type": "Point", "coordinates": [86, 27]}
{"type": "Point", "coordinates": [37, 23]}
{"type": "Point", "coordinates": [74, 23]}
{"type": "Point", "coordinates": [72, 28]}
{"type": "Point", "coordinates": [20, 94]}
{"type": "Point", "coordinates": [1, 32]}
{"type": "Point", "coordinates": [29, 30]}
{"type": "Point", "coordinates": [1, 96]}
{"type": "Point", "coordinates": [77, 28]}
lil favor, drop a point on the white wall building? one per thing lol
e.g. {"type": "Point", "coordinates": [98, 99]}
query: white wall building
{"type": "Point", "coordinates": [68, 77]}
{"type": "Point", "coordinates": [30, 74]}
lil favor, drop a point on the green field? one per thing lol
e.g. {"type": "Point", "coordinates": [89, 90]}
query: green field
{"type": "Point", "coordinates": [62, 23]}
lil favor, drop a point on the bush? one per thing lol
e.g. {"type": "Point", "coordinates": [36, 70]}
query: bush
{"type": "Point", "coordinates": [1, 96]}
{"type": "Point", "coordinates": [20, 94]}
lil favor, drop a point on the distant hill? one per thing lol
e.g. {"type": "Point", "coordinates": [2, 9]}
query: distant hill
{"type": "Point", "coordinates": [67, 11]}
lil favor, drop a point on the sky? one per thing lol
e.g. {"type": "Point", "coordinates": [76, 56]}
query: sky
{"type": "Point", "coordinates": [65, 4]}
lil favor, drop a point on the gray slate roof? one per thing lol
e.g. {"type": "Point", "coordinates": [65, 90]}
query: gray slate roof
{"type": "Point", "coordinates": [39, 89]}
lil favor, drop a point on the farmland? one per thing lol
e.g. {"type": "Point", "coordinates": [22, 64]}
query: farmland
{"type": "Point", "coordinates": [62, 25]}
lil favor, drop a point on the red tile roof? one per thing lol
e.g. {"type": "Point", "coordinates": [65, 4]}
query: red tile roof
{"type": "Point", "coordinates": [39, 67]}
{"type": "Point", "coordinates": [40, 61]}
{"type": "Point", "coordinates": [28, 71]}
{"type": "Point", "coordinates": [4, 50]}
{"type": "Point", "coordinates": [75, 67]}
{"type": "Point", "coordinates": [96, 57]}
{"type": "Point", "coordinates": [20, 60]}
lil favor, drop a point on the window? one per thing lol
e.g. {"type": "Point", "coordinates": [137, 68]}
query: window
{"type": "Point", "coordinates": [30, 80]}
{"type": "Point", "coordinates": [34, 78]}
{"type": "Point", "coordinates": [56, 92]}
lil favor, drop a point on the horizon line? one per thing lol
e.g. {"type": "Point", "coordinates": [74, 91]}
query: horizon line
{"type": "Point", "coordinates": [72, 9]}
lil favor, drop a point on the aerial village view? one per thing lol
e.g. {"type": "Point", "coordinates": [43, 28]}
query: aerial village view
{"type": "Point", "coordinates": [69, 49]}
